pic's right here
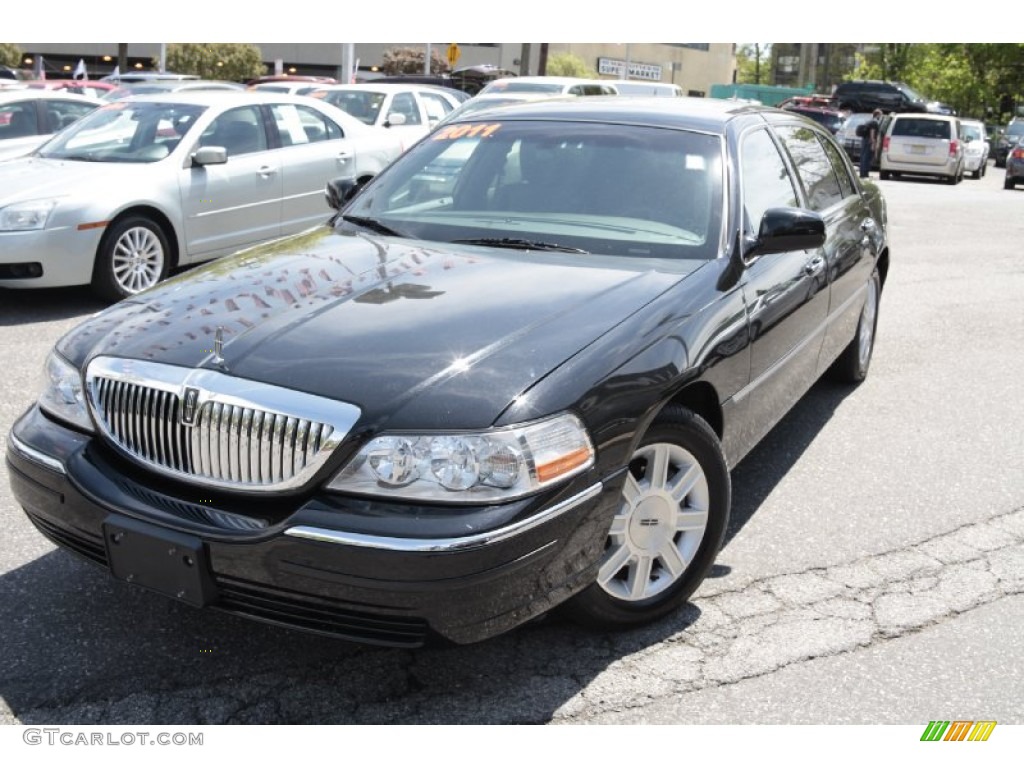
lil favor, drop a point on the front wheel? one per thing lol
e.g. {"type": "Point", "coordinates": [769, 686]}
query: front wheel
{"type": "Point", "coordinates": [1009, 183]}
{"type": "Point", "coordinates": [134, 255]}
{"type": "Point", "coordinates": [668, 528]}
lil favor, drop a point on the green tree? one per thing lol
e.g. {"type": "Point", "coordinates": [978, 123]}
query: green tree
{"type": "Point", "coordinates": [984, 80]}
{"type": "Point", "coordinates": [568, 65]}
{"type": "Point", "coordinates": [216, 61]}
{"type": "Point", "coordinates": [10, 55]}
{"type": "Point", "coordinates": [408, 60]}
{"type": "Point", "coordinates": [753, 63]}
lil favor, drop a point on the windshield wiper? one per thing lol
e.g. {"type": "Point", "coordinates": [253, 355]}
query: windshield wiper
{"type": "Point", "coordinates": [372, 224]}
{"type": "Point", "coordinates": [84, 158]}
{"type": "Point", "coordinates": [523, 245]}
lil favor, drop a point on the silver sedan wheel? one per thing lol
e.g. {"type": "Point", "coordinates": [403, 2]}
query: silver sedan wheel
{"type": "Point", "coordinates": [660, 525]}
{"type": "Point", "coordinates": [866, 333]}
{"type": "Point", "coordinates": [138, 259]}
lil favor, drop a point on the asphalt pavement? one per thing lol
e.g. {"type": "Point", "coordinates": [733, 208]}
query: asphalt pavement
{"type": "Point", "coordinates": [872, 572]}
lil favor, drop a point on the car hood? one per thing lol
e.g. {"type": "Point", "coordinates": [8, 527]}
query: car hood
{"type": "Point", "coordinates": [415, 334]}
{"type": "Point", "coordinates": [30, 178]}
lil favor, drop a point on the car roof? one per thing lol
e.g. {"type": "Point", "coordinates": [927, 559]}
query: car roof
{"type": "Point", "coordinates": [381, 87]}
{"type": "Point", "coordinates": [683, 112]}
{"type": "Point", "coordinates": [216, 98]}
{"type": "Point", "coordinates": [32, 94]}
{"type": "Point", "coordinates": [243, 98]}
{"type": "Point", "coordinates": [549, 79]}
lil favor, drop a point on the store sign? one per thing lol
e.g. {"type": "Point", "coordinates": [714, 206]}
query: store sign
{"type": "Point", "coordinates": [637, 71]}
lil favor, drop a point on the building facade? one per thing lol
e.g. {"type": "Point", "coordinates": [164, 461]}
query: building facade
{"type": "Point", "coordinates": [692, 66]}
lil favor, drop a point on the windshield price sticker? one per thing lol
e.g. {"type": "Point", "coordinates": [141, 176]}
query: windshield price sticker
{"type": "Point", "coordinates": [482, 130]}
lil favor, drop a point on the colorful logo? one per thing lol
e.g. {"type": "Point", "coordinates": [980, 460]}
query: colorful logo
{"type": "Point", "coordinates": [958, 730]}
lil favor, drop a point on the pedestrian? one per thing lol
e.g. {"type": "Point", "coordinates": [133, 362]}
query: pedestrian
{"type": "Point", "coordinates": [868, 133]}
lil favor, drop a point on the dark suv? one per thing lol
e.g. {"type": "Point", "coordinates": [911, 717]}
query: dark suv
{"type": "Point", "coordinates": [869, 95]}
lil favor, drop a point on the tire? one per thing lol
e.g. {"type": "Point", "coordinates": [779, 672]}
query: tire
{"type": "Point", "coordinates": [884, 175]}
{"type": "Point", "coordinates": [659, 549]}
{"type": "Point", "coordinates": [851, 367]}
{"type": "Point", "coordinates": [133, 255]}
{"type": "Point", "coordinates": [1009, 183]}
{"type": "Point", "coordinates": [978, 173]}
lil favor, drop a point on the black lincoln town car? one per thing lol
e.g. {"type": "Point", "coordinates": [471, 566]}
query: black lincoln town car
{"type": "Point", "coordinates": [513, 373]}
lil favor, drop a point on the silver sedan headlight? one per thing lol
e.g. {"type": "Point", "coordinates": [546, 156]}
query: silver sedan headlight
{"type": "Point", "coordinates": [31, 214]}
{"type": "Point", "coordinates": [465, 468]}
{"type": "Point", "coordinates": [63, 394]}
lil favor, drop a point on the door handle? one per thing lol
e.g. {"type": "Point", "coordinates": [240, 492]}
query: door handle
{"type": "Point", "coordinates": [266, 171]}
{"type": "Point", "coordinates": [815, 265]}
{"type": "Point", "coordinates": [344, 157]}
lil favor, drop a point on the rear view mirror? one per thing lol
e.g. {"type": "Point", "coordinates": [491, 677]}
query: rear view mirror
{"type": "Point", "coordinates": [395, 118]}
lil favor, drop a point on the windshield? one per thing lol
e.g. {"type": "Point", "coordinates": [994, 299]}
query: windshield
{"type": "Point", "coordinates": [124, 132]}
{"type": "Point", "coordinates": [363, 105]}
{"type": "Point", "coordinates": [1015, 129]}
{"type": "Point", "coordinates": [972, 132]}
{"type": "Point", "coordinates": [621, 190]}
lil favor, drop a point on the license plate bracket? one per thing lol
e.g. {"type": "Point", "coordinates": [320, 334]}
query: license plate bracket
{"type": "Point", "coordinates": [167, 562]}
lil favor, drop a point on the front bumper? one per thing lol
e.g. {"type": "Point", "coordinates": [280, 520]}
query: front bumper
{"type": "Point", "coordinates": [64, 255]}
{"type": "Point", "coordinates": [377, 573]}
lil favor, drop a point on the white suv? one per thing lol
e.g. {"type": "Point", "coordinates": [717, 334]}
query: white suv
{"type": "Point", "coordinates": [976, 147]}
{"type": "Point", "coordinates": [923, 144]}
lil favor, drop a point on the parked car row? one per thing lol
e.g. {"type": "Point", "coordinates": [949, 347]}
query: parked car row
{"type": "Point", "coordinates": [922, 144]}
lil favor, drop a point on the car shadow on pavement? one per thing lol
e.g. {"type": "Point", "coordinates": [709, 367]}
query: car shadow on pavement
{"type": "Point", "coordinates": [80, 647]}
{"type": "Point", "coordinates": [764, 467]}
{"type": "Point", "coordinates": [44, 304]}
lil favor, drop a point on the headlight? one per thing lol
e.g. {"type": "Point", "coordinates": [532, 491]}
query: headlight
{"type": "Point", "coordinates": [477, 467]}
{"type": "Point", "coordinates": [24, 216]}
{"type": "Point", "coordinates": [63, 395]}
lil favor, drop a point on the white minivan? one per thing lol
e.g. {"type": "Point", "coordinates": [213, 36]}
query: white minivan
{"type": "Point", "coordinates": [923, 144]}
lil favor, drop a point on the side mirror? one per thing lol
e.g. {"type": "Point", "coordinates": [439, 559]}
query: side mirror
{"type": "Point", "coordinates": [340, 191]}
{"type": "Point", "coordinates": [786, 229]}
{"type": "Point", "coordinates": [210, 156]}
{"type": "Point", "coordinates": [395, 118]}
{"type": "Point", "coordinates": [782, 229]}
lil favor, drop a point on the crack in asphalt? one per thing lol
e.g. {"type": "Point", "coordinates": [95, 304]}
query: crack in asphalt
{"type": "Point", "coordinates": [777, 621]}
{"type": "Point", "coordinates": [552, 672]}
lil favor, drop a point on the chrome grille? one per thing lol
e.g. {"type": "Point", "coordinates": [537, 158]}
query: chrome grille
{"type": "Point", "coordinates": [244, 435]}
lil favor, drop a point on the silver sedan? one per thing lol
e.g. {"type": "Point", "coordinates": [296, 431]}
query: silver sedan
{"type": "Point", "coordinates": [150, 183]}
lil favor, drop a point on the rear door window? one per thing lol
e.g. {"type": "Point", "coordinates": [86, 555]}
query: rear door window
{"type": "Point", "coordinates": [922, 128]}
{"type": "Point", "coordinates": [812, 165]}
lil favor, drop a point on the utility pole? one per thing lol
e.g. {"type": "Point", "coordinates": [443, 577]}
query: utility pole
{"type": "Point", "coordinates": [542, 65]}
{"type": "Point", "coordinates": [524, 59]}
{"type": "Point", "coordinates": [426, 61]}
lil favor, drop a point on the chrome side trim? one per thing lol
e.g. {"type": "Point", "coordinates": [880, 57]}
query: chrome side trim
{"type": "Point", "coordinates": [35, 456]}
{"type": "Point", "coordinates": [444, 545]}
